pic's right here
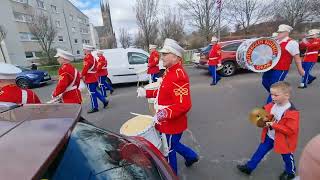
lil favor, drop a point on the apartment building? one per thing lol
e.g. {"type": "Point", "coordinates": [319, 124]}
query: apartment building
{"type": "Point", "coordinates": [21, 47]}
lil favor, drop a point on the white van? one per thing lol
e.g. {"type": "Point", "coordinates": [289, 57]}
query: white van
{"type": "Point", "coordinates": [126, 65]}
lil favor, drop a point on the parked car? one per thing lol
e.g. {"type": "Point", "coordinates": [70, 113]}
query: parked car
{"type": "Point", "coordinates": [123, 65]}
{"type": "Point", "coordinates": [31, 78]}
{"type": "Point", "coordinates": [36, 142]}
{"type": "Point", "coordinates": [229, 50]}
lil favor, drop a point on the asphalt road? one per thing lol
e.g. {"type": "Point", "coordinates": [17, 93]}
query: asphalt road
{"type": "Point", "coordinates": [218, 122]}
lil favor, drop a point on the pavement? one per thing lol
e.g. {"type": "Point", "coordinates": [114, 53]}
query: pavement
{"type": "Point", "coordinates": [219, 129]}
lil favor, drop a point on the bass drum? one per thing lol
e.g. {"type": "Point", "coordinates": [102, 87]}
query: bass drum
{"type": "Point", "coordinates": [258, 55]}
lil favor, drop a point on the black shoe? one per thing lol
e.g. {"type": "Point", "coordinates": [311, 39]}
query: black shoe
{"type": "Point", "coordinates": [213, 84]}
{"type": "Point", "coordinates": [286, 176]}
{"type": "Point", "coordinates": [111, 91]}
{"type": "Point", "coordinates": [311, 80]}
{"type": "Point", "coordinates": [244, 169]}
{"type": "Point", "coordinates": [105, 104]}
{"type": "Point", "coordinates": [190, 163]}
{"type": "Point", "coordinates": [93, 111]}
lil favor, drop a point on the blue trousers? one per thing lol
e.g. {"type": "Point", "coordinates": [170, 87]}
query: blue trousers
{"type": "Point", "coordinates": [104, 85]}
{"type": "Point", "coordinates": [263, 149]}
{"type": "Point", "coordinates": [215, 76]}
{"type": "Point", "coordinates": [95, 95]}
{"type": "Point", "coordinates": [270, 77]}
{"type": "Point", "coordinates": [307, 78]}
{"type": "Point", "coordinates": [154, 77]}
{"type": "Point", "coordinates": [176, 147]}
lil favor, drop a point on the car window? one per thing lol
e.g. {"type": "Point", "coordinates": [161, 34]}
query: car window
{"type": "Point", "coordinates": [93, 154]}
{"type": "Point", "coordinates": [137, 58]}
{"type": "Point", "coordinates": [231, 47]}
{"type": "Point", "coordinates": [23, 69]}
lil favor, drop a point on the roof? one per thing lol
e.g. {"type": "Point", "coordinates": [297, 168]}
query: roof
{"type": "Point", "coordinates": [31, 136]}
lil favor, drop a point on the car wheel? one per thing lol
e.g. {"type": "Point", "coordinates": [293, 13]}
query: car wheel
{"type": "Point", "coordinates": [23, 83]}
{"type": "Point", "coordinates": [229, 69]}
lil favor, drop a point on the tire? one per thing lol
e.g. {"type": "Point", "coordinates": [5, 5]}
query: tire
{"type": "Point", "coordinates": [23, 83]}
{"type": "Point", "coordinates": [229, 69]}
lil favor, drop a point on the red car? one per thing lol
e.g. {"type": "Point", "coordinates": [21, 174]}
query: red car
{"type": "Point", "coordinates": [53, 142]}
{"type": "Point", "coordinates": [229, 50]}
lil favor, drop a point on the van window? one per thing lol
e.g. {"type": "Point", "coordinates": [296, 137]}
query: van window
{"type": "Point", "coordinates": [137, 58]}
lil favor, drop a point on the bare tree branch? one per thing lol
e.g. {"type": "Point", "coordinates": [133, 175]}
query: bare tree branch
{"type": "Point", "coordinates": [147, 20]}
{"type": "Point", "coordinates": [44, 31]}
{"type": "Point", "coordinates": [3, 34]}
{"type": "Point", "coordinates": [172, 26]}
{"type": "Point", "coordinates": [125, 38]}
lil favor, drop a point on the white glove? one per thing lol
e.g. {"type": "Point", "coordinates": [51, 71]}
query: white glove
{"type": "Point", "coordinates": [155, 119]}
{"type": "Point", "coordinates": [219, 65]}
{"type": "Point", "coordinates": [141, 92]}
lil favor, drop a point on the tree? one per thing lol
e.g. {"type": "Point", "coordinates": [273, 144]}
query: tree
{"type": "Point", "coordinates": [147, 20]}
{"type": "Point", "coordinates": [172, 26]}
{"type": "Point", "coordinates": [202, 15]}
{"type": "Point", "coordinates": [295, 12]}
{"type": "Point", "coordinates": [125, 38]}
{"type": "Point", "coordinates": [3, 34]}
{"type": "Point", "coordinates": [45, 32]}
{"type": "Point", "coordinates": [244, 13]}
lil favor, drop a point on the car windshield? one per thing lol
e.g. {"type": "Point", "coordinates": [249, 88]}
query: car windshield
{"type": "Point", "coordinates": [23, 69]}
{"type": "Point", "coordinates": [93, 154]}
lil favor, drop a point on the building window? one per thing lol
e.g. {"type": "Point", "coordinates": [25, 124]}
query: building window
{"type": "Point", "coordinates": [32, 55]}
{"type": "Point", "coordinates": [22, 17]}
{"type": "Point", "coordinates": [73, 29]}
{"type": "Point", "coordinates": [84, 31]}
{"type": "Point", "coordinates": [26, 36]}
{"type": "Point", "coordinates": [58, 23]}
{"type": "Point", "coordinates": [71, 17]}
{"type": "Point", "coordinates": [40, 4]}
{"type": "Point", "coordinates": [21, 1]}
{"type": "Point", "coordinates": [54, 8]}
{"type": "Point", "coordinates": [29, 54]}
{"type": "Point", "coordinates": [60, 38]}
{"type": "Point", "coordinates": [76, 41]}
{"type": "Point", "coordinates": [78, 51]}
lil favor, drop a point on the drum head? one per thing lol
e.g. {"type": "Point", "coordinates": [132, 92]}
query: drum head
{"type": "Point", "coordinates": [136, 126]}
{"type": "Point", "coordinates": [258, 55]}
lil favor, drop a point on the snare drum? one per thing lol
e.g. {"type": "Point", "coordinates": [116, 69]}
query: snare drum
{"type": "Point", "coordinates": [258, 55]}
{"type": "Point", "coordinates": [142, 126]}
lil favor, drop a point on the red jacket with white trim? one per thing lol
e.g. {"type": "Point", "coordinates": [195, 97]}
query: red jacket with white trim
{"type": "Point", "coordinates": [312, 47]}
{"type": "Point", "coordinates": [12, 93]}
{"type": "Point", "coordinates": [153, 63]}
{"type": "Point", "coordinates": [215, 55]}
{"type": "Point", "coordinates": [102, 66]}
{"type": "Point", "coordinates": [89, 71]}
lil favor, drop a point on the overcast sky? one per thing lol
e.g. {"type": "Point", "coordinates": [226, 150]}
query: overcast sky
{"type": "Point", "coordinates": [122, 12]}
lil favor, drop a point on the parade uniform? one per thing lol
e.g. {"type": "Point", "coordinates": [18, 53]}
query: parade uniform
{"type": "Point", "coordinates": [284, 139]}
{"type": "Point", "coordinates": [312, 47]}
{"type": "Point", "coordinates": [174, 102]}
{"type": "Point", "coordinates": [153, 64]}
{"type": "Point", "coordinates": [289, 48]}
{"type": "Point", "coordinates": [102, 73]}
{"type": "Point", "coordinates": [214, 60]}
{"type": "Point", "coordinates": [91, 79]}
{"type": "Point", "coordinates": [14, 94]}
{"type": "Point", "coordinates": [68, 84]}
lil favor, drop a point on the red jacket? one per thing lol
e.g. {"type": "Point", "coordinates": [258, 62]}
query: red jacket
{"type": "Point", "coordinates": [68, 84]}
{"type": "Point", "coordinates": [312, 49]}
{"type": "Point", "coordinates": [102, 66]}
{"type": "Point", "coordinates": [153, 63]}
{"type": "Point", "coordinates": [89, 69]}
{"type": "Point", "coordinates": [286, 130]}
{"type": "Point", "coordinates": [12, 93]}
{"type": "Point", "coordinates": [174, 94]}
{"type": "Point", "coordinates": [215, 55]}
{"type": "Point", "coordinates": [285, 58]}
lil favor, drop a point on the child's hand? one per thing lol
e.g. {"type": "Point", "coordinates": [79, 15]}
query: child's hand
{"type": "Point", "coordinates": [269, 124]}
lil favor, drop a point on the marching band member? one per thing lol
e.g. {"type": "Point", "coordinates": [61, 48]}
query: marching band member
{"type": "Point", "coordinates": [153, 63]}
{"type": "Point", "coordinates": [281, 134]}
{"type": "Point", "coordinates": [312, 45]}
{"type": "Point", "coordinates": [289, 50]}
{"type": "Point", "coordinates": [90, 78]}
{"type": "Point", "coordinates": [102, 73]}
{"type": "Point", "coordinates": [214, 60]}
{"type": "Point", "coordinates": [174, 102]}
{"type": "Point", "coordinates": [69, 79]}
{"type": "Point", "coordinates": [9, 91]}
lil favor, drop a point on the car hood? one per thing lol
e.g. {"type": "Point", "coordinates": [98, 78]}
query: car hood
{"type": "Point", "coordinates": [37, 72]}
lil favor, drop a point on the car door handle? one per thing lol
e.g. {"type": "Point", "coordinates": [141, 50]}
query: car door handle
{"type": "Point", "coordinates": [131, 68]}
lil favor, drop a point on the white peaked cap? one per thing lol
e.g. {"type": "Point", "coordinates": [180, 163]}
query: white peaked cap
{"type": "Point", "coordinates": [87, 47]}
{"type": "Point", "coordinates": [151, 46]}
{"type": "Point", "coordinates": [171, 46]}
{"type": "Point", "coordinates": [8, 71]}
{"type": "Point", "coordinates": [284, 28]}
{"type": "Point", "coordinates": [214, 39]}
{"type": "Point", "coordinates": [64, 54]}
{"type": "Point", "coordinates": [313, 32]}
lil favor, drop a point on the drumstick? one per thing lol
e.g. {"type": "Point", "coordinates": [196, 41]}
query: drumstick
{"type": "Point", "coordinates": [136, 114]}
